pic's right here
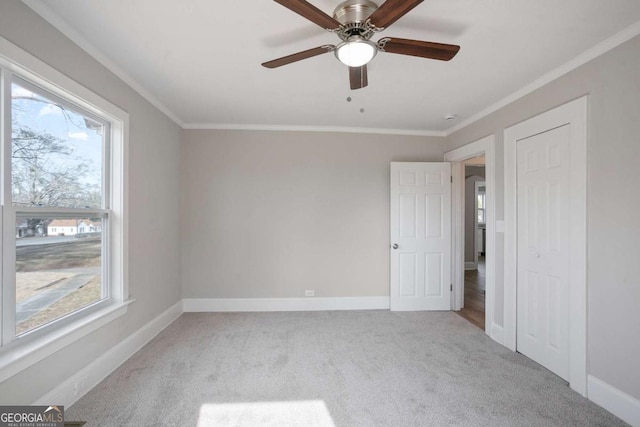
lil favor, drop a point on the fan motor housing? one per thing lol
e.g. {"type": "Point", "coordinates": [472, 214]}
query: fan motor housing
{"type": "Point", "coordinates": [354, 11]}
{"type": "Point", "coordinates": [353, 16]}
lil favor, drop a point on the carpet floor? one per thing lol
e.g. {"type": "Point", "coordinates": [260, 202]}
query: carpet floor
{"type": "Point", "coordinates": [344, 368]}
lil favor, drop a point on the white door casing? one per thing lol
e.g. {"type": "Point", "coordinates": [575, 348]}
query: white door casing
{"type": "Point", "coordinates": [573, 116]}
{"type": "Point", "coordinates": [486, 147]}
{"type": "Point", "coordinates": [543, 248]}
{"type": "Point", "coordinates": [420, 236]}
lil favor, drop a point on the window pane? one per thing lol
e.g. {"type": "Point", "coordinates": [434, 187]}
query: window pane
{"type": "Point", "coordinates": [56, 153]}
{"type": "Point", "coordinates": [58, 268]}
{"type": "Point", "coordinates": [481, 201]}
{"type": "Point", "coordinates": [480, 216]}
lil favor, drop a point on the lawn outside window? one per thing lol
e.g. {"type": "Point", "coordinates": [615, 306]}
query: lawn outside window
{"type": "Point", "coordinates": [63, 210]}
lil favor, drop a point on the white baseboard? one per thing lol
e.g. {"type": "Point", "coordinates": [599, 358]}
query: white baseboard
{"type": "Point", "coordinates": [496, 332]}
{"type": "Point", "coordinates": [470, 265]}
{"type": "Point", "coordinates": [613, 400]}
{"type": "Point", "coordinates": [73, 388]}
{"type": "Point", "coordinates": [284, 304]}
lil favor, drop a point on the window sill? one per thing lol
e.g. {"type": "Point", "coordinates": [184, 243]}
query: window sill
{"type": "Point", "coordinates": [22, 356]}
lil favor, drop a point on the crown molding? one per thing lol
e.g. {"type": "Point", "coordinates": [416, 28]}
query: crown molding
{"type": "Point", "coordinates": [589, 55]}
{"type": "Point", "coordinates": [63, 26]}
{"type": "Point", "coordinates": [285, 128]}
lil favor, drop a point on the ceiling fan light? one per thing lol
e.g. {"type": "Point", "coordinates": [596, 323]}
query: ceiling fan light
{"type": "Point", "coordinates": [356, 51]}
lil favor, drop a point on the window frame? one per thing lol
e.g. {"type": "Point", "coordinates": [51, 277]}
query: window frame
{"type": "Point", "coordinates": [20, 352]}
{"type": "Point", "coordinates": [479, 209]}
{"type": "Point", "coordinates": [61, 212]}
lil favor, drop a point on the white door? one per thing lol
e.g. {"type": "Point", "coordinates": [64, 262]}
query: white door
{"type": "Point", "coordinates": [543, 216]}
{"type": "Point", "coordinates": [420, 236]}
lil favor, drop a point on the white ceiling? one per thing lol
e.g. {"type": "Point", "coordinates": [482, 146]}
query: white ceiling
{"type": "Point", "coordinates": [199, 60]}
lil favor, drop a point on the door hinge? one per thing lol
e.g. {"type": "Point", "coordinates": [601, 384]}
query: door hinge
{"type": "Point", "coordinates": [451, 178]}
{"type": "Point", "coordinates": [451, 287]}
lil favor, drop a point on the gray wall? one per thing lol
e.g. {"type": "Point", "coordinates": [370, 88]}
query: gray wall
{"type": "Point", "coordinates": [153, 202]}
{"type": "Point", "coordinates": [271, 214]}
{"type": "Point", "coordinates": [613, 273]}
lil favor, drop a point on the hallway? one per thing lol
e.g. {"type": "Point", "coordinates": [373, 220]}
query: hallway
{"type": "Point", "coordinates": [474, 295]}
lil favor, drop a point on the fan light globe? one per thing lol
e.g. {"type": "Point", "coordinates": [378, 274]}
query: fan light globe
{"type": "Point", "coordinates": [356, 51]}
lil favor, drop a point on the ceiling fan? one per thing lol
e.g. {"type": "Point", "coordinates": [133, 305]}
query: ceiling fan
{"type": "Point", "coordinates": [355, 22]}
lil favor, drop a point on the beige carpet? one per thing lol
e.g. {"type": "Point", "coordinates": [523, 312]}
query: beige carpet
{"type": "Point", "coordinates": [359, 368]}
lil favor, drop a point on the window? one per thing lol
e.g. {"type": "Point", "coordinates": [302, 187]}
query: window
{"type": "Point", "coordinates": [63, 212]}
{"type": "Point", "coordinates": [481, 206]}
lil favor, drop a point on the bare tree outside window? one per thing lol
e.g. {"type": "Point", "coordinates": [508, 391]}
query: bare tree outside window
{"type": "Point", "coordinates": [45, 172]}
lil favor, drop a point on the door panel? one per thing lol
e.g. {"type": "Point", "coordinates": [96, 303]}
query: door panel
{"type": "Point", "coordinates": [434, 221]}
{"type": "Point", "coordinates": [408, 276]}
{"type": "Point", "coordinates": [408, 215]}
{"type": "Point", "coordinates": [434, 278]}
{"type": "Point", "coordinates": [543, 175]}
{"type": "Point", "coordinates": [421, 227]}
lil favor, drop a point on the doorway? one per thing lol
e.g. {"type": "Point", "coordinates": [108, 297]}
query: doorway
{"type": "Point", "coordinates": [483, 149]}
{"type": "Point", "coordinates": [475, 210]}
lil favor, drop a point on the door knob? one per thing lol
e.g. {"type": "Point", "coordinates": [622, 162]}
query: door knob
{"type": "Point", "coordinates": [395, 246]}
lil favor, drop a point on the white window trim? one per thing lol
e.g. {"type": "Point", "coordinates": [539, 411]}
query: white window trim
{"type": "Point", "coordinates": [20, 355]}
{"type": "Point", "coordinates": [23, 356]}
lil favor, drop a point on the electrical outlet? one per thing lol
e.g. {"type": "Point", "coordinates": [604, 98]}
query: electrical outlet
{"type": "Point", "coordinates": [309, 293]}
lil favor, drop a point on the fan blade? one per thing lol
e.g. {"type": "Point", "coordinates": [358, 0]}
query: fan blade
{"type": "Point", "coordinates": [299, 56]}
{"type": "Point", "coordinates": [312, 13]}
{"type": "Point", "coordinates": [391, 11]}
{"type": "Point", "coordinates": [440, 51]}
{"type": "Point", "coordinates": [358, 77]}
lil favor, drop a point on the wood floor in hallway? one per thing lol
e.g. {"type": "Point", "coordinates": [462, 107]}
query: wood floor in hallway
{"type": "Point", "coordinates": [474, 295]}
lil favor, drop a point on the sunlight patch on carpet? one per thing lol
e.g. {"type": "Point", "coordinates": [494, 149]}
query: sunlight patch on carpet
{"type": "Point", "coordinates": [293, 413]}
